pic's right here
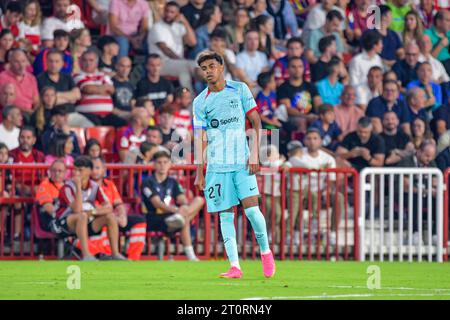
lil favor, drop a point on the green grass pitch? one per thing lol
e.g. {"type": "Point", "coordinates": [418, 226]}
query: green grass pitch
{"type": "Point", "coordinates": [187, 280]}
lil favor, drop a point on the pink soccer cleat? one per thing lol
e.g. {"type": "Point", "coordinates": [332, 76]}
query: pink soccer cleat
{"type": "Point", "coordinates": [268, 264]}
{"type": "Point", "coordinates": [233, 273]}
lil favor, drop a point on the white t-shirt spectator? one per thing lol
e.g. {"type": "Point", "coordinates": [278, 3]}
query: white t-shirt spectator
{"type": "Point", "coordinates": [322, 161]}
{"type": "Point", "coordinates": [171, 34]}
{"type": "Point", "coordinates": [51, 24]}
{"type": "Point", "coordinates": [31, 33]}
{"type": "Point", "coordinates": [438, 71]}
{"type": "Point", "coordinates": [10, 138]}
{"type": "Point", "coordinates": [358, 70]}
{"type": "Point", "coordinates": [93, 104]}
{"type": "Point", "coordinates": [317, 16]}
{"type": "Point", "coordinates": [252, 64]}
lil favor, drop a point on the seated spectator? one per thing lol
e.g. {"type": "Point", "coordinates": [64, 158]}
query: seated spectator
{"type": "Point", "coordinates": [421, 131]}
{"type": "Point", "coordinates": [93, 149]}
{"type": "Point", "coordinates": [388, 101]}
{"type": "Point", "coordinates": [10, 19]}
{"type": "Point", "coordinates": [218, 41]}
{"type": "Point", "coordinates": [406, 69]}
{"type": "Point", "coordinates": [80, 42]}
{"type": "Point", "coordinates": [441, 120]}
{"type": "Point", "coordinates": [439, 74]}
{"type": "Point", "coordinates": [129, 139]}
{"type": "Point", "coordinates": [109, 50]}
{"type": "Point", "coordinates": [330, 88]}
{"type": "Point", "coordinates": [123, 95]}
{"type": "Point", "coordinates": [128, 23]}
{"type": "Point", "coordinates": [10, 126]}
{"type": "Point", "coordinates": [60, 43]}
{"type": "Point", "coordinates": [423, 158]}
{"type": "Point", "coordinates": [432, 90]}
{"type": "Point", "coordinates": [415, 100]}
{"type": "Point", "coordinates": [285, 23]}
{"type": "Point", "coordinates": [27, 94]}
{"type": "Point", "coordinates": [440, 35]}
{"type": "Point", "coordinates": [397, 143]}
{"type": "Point", "coordinates": [373, 89]}
{"type": "Point", "coordinates": [327, 48]}
{"type": "Point", "coordinates": [358, 19]}
{"type": "Point", "coordinates": [362, 148]}
{"type": "Point", "coordinates": [399, 10]}
{"type": "Point", "coordinates": [133, 225]}
{"type": "Point", "coordinates": [67, 93]}
{"type": "Point", "coordinates": [237, 28]}
{"type": "Point", "coordinates": [167, 39]}
{"type": "Point", "coordinates": [295, 48]}
{"type": "Point", "coordinates": [252, 61]}
{"type": "Point", "coordinates": [167, 207]}
{"type": "Point", "coordinates": [427, 11]}
{"type": "Point", "coordinates": [158, 89]}
{"type": "Point", "coordinates": [192, 11]}
{"type": "Point", "coordinates": [210, 18]}
{"type": "Point", "coordinates": [41, 119]}
{"type": "Point", "coordinates": [267, 43]}
{"type": "Point", "coordinates": [59, 125]}
{"type": "Point", "coordinates": [146, 152]}
{"type": "Point", "coordinates": [155, 136]}
{"type": "Point", "coordinates": [147, 104]}
{"type": "Point", "coordinates": [170, 136]}
{"type": "Point", "coordinates": [313, 157]}
{"type": "Point", "coordinates": [84, 209]}
{"type": "Point", "coordinates": [30, 26]}
{"type": "Point", "coordinates": [330, 28]}
{"type": "Point", "coordinates": [298, 96]}
{"type": "Point", "coordinates": [266, 100]}
{"type": "Point", "coordinates": [414, 29]}
{"type": "Point", "coordinates": [361, 63]}
{"type": "Point", "coordinates": [392, 45]}
{"type": "Point", "coordinates": [443, 159]}
{"type": "Point", "coordinates": [182, 119]}
{"type": "Point", "coordinates": [7, 95]}
{"type": "Point", "coordinates": [96, 90]}
{"type": "Point", "coordinates": [330, 133]}
{"type": "Point", "coordinates": [62, 20]}
{"type": "Point", "coordinates": [61, 148]}
{"type": "Point", "coordinates": [6, 43]}
{"type": "Point", "coordinates": [47, 194]}
{"type": "Point", "coordinates": [317, 16]}
{"type": "Point", "coordinates": [347, 113]}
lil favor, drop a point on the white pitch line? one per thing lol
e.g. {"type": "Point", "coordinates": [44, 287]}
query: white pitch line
{"type": "Point", "coordinates": [392, 288]}
{"type": "Point", "coordinates": [336, 296]}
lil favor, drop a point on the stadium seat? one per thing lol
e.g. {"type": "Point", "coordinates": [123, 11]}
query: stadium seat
{"type": "Point", "coordinates": [105, 135]}
{"type": "Point", "coordinates": [81, 137]}
{"type": "Point", "coordinates": [38, 231]}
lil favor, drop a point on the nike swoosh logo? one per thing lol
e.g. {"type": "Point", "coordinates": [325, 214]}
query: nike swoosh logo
{"type": "Point", "coordinates": [251, 189]}
{"type": "Point", "coordinates": [208, 112]}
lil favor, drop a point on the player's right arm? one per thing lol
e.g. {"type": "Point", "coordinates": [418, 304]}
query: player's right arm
{"type": "Point", "coordinates": [200, 142]}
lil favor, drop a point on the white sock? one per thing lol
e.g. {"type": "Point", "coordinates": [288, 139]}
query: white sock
{"type": "Point", "coordinates": [189, 252]}
{"type": "Point", "coordinates": [235, 264]}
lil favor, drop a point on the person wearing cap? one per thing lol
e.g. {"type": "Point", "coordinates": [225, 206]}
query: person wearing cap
{"type": "Point", "coordinates": [312, 157]}
{"type": "Point", "coordinates": [109, 49]}
{"type": "Point", "coordinates": [60, 126]}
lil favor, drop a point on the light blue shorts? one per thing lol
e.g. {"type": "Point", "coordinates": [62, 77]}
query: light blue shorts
{"type": "Point", "coordinates": [224, 190]}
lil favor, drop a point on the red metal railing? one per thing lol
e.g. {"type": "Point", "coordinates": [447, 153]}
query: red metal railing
{"type": "Point", "coordinates": [303, 234]}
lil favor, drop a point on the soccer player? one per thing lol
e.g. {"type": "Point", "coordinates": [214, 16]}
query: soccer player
{"type": "Point", "coordinates": [78, 212]}
{"type": "Point", "coordinates": [219, 124]}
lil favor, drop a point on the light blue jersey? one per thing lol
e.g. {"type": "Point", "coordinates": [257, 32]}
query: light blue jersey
{"type": "Point", "coordinates": [222, 114]}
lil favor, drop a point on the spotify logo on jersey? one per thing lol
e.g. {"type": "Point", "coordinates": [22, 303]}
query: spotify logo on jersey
{"type": "Point", "coordinates": [214, 123]}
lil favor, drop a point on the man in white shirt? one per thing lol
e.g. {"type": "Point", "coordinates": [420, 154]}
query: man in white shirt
{"type": "Point", "coordinates": [312, 157]}
{"type": "Point", "coordinates": [67, 17]}
{"type": "Point", "coordinates": [251, 61]}
{"type": "Point", "coordinates": [360, 65]}
{"type": "Point", "coordinates": [10, 127]}
{"type": "Point", "coordinates": [167, 38]}
{"type": "Point", "coordinates": [439, 73]}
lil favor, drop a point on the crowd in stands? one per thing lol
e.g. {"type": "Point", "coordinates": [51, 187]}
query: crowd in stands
{"type": "Point", "coordinates": [372, 86]}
